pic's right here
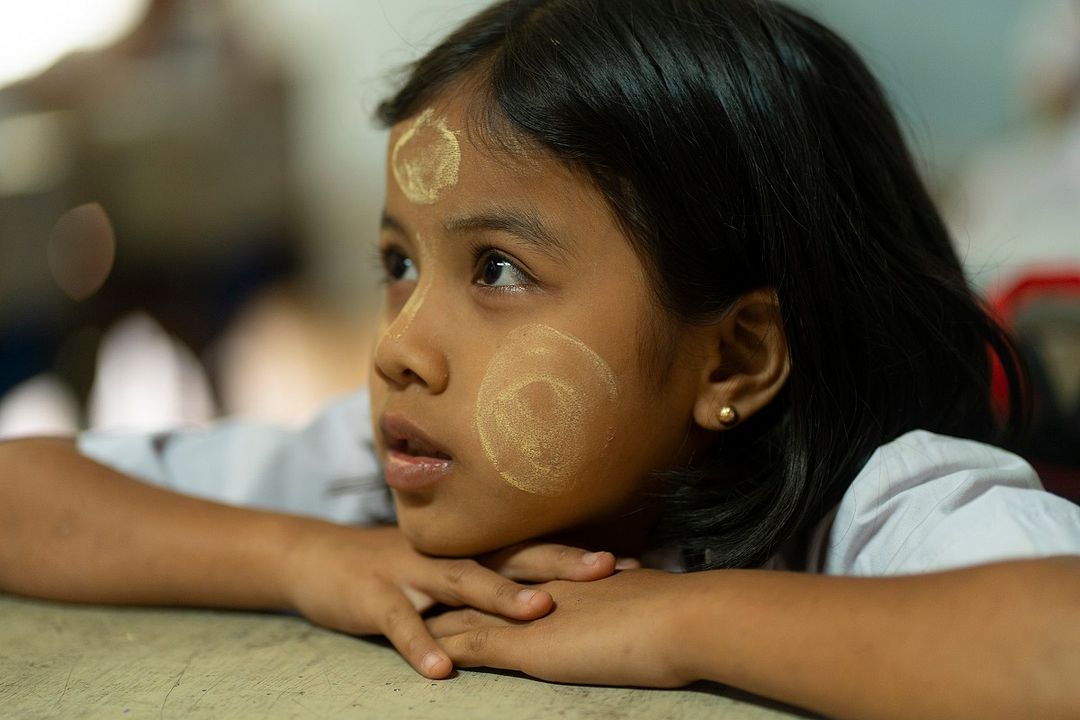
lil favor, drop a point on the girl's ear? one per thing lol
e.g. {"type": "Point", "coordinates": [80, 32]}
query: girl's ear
{"type": "Point", "coordinates": [746, 362]}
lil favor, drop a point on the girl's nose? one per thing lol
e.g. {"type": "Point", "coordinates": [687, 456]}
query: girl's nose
{"type": "Point", "coordinates": [408, 351]}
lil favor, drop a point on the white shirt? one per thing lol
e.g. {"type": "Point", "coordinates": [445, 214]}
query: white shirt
{"type": "Point", "coordinates": [927, 502]}
{"type": "Point", "coordinates": [923, 502]}
{"type": "Point", "coordinates": [326, 470]}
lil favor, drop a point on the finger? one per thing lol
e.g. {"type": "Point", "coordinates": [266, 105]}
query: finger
{"type": "Point", "coordinates": [627, 563]}
{"type": "Point", "coordinates": [454, 622]}
{"type": "Point", "coordinates": [487, 647]}
{"type": "Point", "coordinates": [550, 561]}
{"type": "Point", "coordinates": [403, 626]}
{"type": "Point", "coordinates": [465, 582]}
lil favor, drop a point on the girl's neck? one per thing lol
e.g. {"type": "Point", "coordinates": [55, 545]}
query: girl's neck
{"type": "Point", "coordinates": [625, 534]}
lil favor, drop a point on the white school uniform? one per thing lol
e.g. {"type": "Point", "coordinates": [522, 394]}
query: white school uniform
{"type": "Point", "coordinates": [923, 502]}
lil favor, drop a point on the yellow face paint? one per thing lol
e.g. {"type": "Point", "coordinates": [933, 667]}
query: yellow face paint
{"type": "Point", "coordinates": [545, 407]}
{"type": "Point", "coordinates": [426, 158]}
{"type": "Point", "coordinates": [408, 313]}
{"type": "Point", "coordinates": [415, 301]}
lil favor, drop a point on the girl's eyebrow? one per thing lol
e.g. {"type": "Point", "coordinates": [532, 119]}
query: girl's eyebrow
{"type": "Point", "coordinates": [389, 222]}
{"type": "Point", "coordinates": [522, 223]}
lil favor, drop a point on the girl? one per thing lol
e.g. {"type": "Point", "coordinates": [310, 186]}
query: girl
{"type": "Point", "coordinates": [661, 279]}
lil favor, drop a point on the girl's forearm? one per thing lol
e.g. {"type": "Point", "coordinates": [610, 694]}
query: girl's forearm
{"type": "Point", "coordinates": [995, 641]}
{"type": "Point", "coordinates": [72, 529]}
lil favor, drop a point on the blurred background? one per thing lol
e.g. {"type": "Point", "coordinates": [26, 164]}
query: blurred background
{"type": "Point", "coordinates": [189, 189]}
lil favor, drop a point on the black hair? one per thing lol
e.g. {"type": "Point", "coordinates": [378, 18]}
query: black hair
{"type": "Point", "coordinates": [743, 145]}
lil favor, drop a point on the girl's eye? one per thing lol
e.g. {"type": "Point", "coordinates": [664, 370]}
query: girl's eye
{"type": "Point", "coordinates": [399, 266]}
{"type": "Point", "coordinates": [498, 272]}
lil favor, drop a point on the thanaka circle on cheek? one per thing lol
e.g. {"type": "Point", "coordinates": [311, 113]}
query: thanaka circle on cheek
{"type": "Point", "coordinates": [545, 407]}
{"type": "Point", "coordinates": [426, 158]}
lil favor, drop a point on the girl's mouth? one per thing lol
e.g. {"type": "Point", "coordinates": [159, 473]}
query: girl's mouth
{"type": "Point", "coordinates": [413, 460]}
{"type": "Point", "coordinates": [416, 448]}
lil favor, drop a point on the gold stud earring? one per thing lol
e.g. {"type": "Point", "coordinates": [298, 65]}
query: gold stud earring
{"type": "Point", "coordinates": [727, 416]}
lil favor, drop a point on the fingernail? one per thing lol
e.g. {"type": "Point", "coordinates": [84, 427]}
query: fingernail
{"type": "Point", "coordinates": [591, 558]}
{"type": "Point", "coordinates": [526, 596]}
{"type": "Point", "coordinates": [429, 661]}
{"type": "Point", "coordinates": [627, 564]}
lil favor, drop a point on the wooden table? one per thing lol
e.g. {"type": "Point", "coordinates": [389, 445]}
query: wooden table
{"type": "Point", "coordinates": [70, 661]}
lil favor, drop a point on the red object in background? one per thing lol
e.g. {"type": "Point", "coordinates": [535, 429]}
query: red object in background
{"type": "Point", "coordinates": [1063, 481]}
{"type": "Point", "coordinates": [1008, 303]}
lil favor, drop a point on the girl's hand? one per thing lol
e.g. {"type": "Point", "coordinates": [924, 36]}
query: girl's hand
{"type": "Point", "coordinates": [366, 581]}
{"type": "Point", "coordinates": [621, 630]}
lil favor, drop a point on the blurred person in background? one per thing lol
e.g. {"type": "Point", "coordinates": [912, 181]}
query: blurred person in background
{"type": "Point", "coordinates": [1017, 203]}
{"type": "Point", "coordinates": [1015, 216]}
{"type": "Point", "coordinates": [171, 144]}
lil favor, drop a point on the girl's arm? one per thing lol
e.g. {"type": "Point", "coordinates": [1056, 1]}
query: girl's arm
{"type": "Point", "coordinates": [999, 640]}
{"type": "Point", "coordinates": [72, 529]}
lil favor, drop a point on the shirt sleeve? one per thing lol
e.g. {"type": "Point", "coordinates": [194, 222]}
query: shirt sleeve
{"type": "Point", "coordinates": [927, 502]}
{"type": "Point", "coordinates": [326, 470]}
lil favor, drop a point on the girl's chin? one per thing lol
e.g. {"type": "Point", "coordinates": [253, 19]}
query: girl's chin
{"type": "Point", "coordinates": [468, 540]}
{"type": "Point", "coordinates": [451, 542]}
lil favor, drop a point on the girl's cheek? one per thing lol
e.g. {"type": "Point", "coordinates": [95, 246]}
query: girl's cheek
{"type": "Point", "coordinates": [545, 408]}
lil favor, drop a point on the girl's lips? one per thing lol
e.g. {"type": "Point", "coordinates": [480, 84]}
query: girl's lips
{"type": "Point", "coordinates": [414, 472]}
{"type": "Point", "coordinates": [401, 434]}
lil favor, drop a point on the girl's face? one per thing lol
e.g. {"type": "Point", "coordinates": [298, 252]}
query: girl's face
{"type": "Point", "coordinates": [511, 397]}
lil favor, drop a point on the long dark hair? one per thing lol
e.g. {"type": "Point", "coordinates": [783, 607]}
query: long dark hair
{"type": "Point", "coordinates": [744, 145]}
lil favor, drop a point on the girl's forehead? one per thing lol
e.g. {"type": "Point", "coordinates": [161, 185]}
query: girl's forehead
{"type": "Point", "coordinates": [425, 157]}
{"type": "Point", "coordinates": [442, 165]}
{"type": "Point", "coordinates": [454, 130]}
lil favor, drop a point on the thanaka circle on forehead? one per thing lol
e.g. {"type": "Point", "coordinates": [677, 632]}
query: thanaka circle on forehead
{"type": "Point", "coordinates": [426, 158]}
{"type": "Point", "coordinates": [545, 407]}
